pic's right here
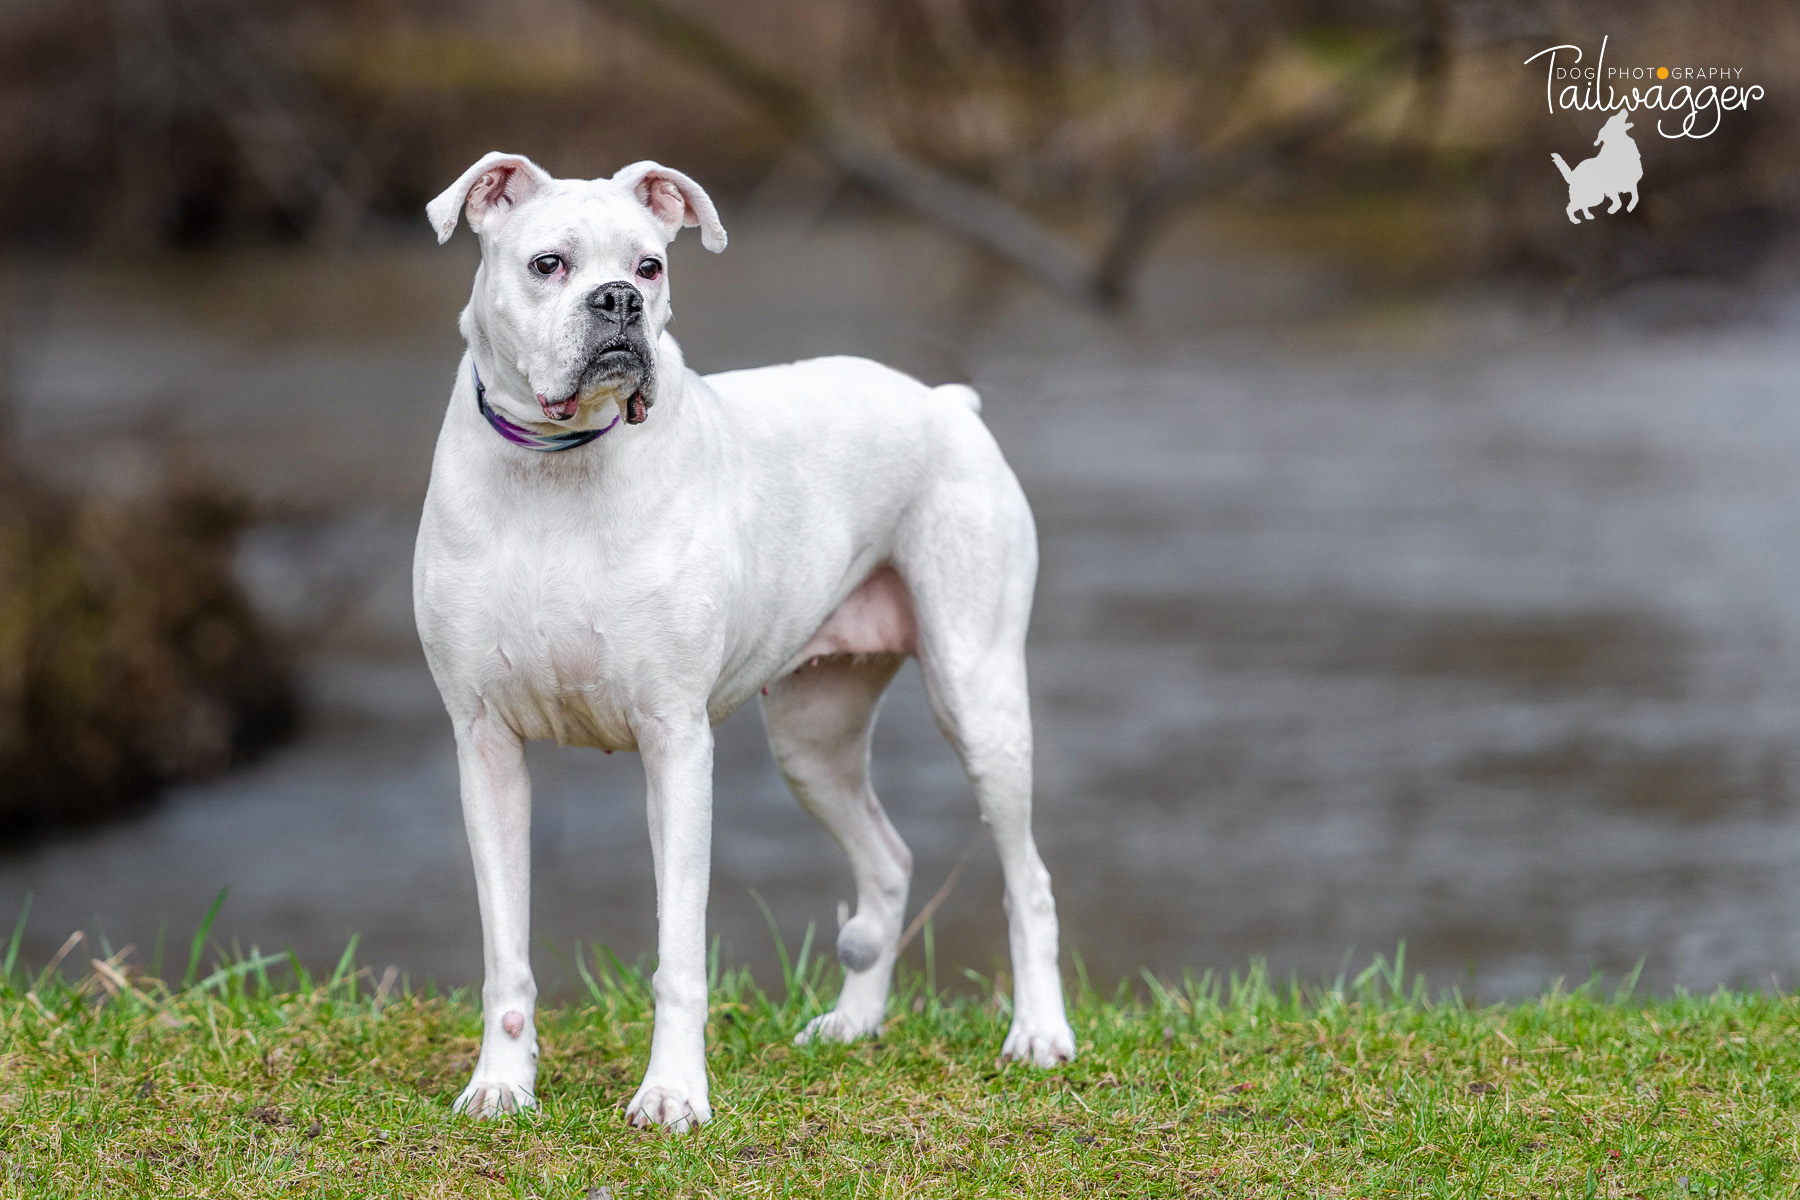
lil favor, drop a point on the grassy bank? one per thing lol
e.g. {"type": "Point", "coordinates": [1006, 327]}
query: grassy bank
{"type": "Point", "coordinates": [258, 1080]}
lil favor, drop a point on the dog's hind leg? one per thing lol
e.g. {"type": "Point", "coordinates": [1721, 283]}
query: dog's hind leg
{"type": "Point", "coordinates": [971, 572]}
{"type": "Point", "coordinates": [820, 719]}
{"type": "Point", "coordinates": [496, 801]}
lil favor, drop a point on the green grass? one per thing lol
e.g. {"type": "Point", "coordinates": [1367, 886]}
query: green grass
{"type": "Point", "coordinates": [255, 1079]}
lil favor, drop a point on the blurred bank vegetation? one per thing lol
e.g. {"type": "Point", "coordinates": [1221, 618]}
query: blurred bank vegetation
{"type": "Point", "coordinates": [129, 657]}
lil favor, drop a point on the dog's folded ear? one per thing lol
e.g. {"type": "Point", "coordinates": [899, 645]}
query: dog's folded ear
{"type": "Point", "coordinates": [487, 193]}
{"type": "Point", "coordinates": [673, 199]}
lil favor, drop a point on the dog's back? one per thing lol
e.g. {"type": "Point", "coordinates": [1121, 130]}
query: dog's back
{"type": "Point", "coordinates": [837, 407]}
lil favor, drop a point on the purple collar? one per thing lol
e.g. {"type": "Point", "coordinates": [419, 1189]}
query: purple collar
{"type": "Point", "coordinates": [518, 435]}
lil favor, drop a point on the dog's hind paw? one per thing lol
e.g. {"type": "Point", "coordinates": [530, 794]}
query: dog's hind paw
{"type": "Point", "coordinates": [485, 1098]}
{"type": "Point", "coordinates": [668, 1107]}
{"type": "Point", "coordinates": [835, 1026]}
{"type": "Point", "coordinates": [1039, 1047]}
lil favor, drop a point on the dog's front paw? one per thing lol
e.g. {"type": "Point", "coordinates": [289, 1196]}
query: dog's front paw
{"type": "Point", "coordinates": [485, 1098]}
{"type": "Point", "coordinates": [672, 1108]}
{"type": "Point", "coordinates": [1045, 1047]}
{"type": "Point", "coordinates": [836, 1026]}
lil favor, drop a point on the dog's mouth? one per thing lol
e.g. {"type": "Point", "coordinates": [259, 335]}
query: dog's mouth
{"type": "Point", "coordinates": [636, 407]}
{"type": "Point", "coordinates": [619, 368]}
{"type": "Point", "coordinates": [624, 367]}
{"type": "Point", "coordinates": [615, 362]}
{"type": "Point", "coordinates": [559, 410]}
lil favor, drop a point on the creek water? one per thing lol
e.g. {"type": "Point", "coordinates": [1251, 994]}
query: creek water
{"type": "Point", "coordinates": [1454, 623]}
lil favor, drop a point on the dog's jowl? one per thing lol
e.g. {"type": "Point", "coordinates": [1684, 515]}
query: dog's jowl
{"type": "Point", "coordinates": [617, 552]}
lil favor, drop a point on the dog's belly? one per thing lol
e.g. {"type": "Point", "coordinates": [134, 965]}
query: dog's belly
{"type": "Point", "coordinates": [876, 618]}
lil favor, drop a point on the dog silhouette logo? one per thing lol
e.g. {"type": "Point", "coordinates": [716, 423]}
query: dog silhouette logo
{"type": "Point", "coordinates": [1613, 171]}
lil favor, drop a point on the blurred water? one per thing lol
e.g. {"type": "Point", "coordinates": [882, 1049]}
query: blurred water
{"type": "Point", "coordinates": [1358, 622]}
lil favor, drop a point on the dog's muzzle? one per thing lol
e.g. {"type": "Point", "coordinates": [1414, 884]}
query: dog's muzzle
{"type": "Point", "coordinates": [622, 358]}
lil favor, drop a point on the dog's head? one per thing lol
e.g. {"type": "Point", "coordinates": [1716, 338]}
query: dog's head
{"type": "Point", "coordinates": [1616, 126]}
{"type": "Point", "coordinates": [573, 290]}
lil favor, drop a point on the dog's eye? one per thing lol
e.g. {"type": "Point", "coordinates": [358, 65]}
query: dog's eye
{"type": "Point", "coordinates": [650, 268]}
{"type": "Point", "coordinates": [546, 264]}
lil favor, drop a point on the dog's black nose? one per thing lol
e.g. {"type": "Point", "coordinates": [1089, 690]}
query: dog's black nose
{"type": "Point", "coordinates": [617, 301]}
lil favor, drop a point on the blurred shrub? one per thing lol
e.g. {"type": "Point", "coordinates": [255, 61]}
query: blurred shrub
{"type": "Point", "coordinates": [129, 657]}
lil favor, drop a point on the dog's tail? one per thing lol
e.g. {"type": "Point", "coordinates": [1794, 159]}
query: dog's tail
{"type": "Point", "coordinates": [1562, 166]}
{"type": "Point", "coordinates": [961, 391]}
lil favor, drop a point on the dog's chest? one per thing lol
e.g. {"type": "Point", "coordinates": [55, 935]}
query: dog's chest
{"type": "Point", "coordinates": [548, 635]}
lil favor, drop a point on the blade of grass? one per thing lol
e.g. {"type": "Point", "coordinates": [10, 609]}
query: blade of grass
{"type": "Point", "coordinates": [627, 984]}
{"type": "Point", "coordinates": [346, 966]}
{"type": "Point", "coordinates": [199, 943]}
{"type": "Point", "coordinates": [302, 979]}
{"type": "Point", "coordinates": [1629, 984]}
{"type": "Point", "coordinates": [587, 978]}
{"type": "Point", "coordinates": [18, 936]}
{"type": "Point", "coordinates": [238, 970]}
{"type": "Point", "coordinates": [156, 958]}
{"type": "Point", "coordinates": [805, 953]}
{"type": "Point", "coordinates": [931, 991]}
{"type": "Point", "coordinates": [781, 954]}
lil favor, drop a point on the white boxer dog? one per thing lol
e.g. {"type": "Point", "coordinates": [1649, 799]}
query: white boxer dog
{"type": "Point", "coordinates": [616, 552]}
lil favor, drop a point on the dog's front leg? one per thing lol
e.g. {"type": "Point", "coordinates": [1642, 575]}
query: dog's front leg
{"type": "Point", "coordinates": [496, 799]}
{"type": "Point", "coordinates": [677, 758]}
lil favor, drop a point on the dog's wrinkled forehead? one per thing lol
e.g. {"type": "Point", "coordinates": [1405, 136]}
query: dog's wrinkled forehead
{"type": "Point", "coordinates": [594, 214]}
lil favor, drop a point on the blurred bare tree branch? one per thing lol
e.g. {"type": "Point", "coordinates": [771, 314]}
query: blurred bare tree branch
{"type": "Point", "coordinates": [981, 216]}
{"type": "Point", "coordinates": [977, 215]}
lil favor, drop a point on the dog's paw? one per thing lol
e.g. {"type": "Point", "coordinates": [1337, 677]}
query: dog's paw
{"type": "Point", "coordinates": [485, 1098]}
{"type": "Point", "coordinates": [836, 1026]}
{"type": "Point", "coordinates": [672, 1108]}
{"type": "Point", "coordinates": [1046, 1047]}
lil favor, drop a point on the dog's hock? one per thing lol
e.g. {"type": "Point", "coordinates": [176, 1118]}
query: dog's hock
{"type": "Point", "coordinates": [673, 199]}
{"type": "Point", "coordinates": [858, 944]}
{"type": "Point", "coordinates": [487, 193]}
